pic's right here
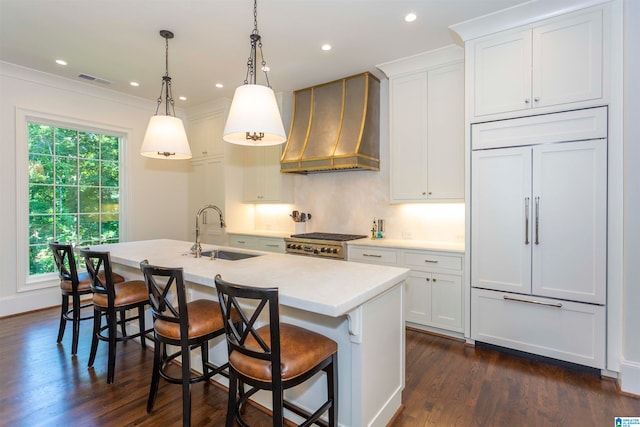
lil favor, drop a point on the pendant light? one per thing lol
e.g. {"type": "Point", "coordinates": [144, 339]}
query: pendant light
{"type": "Point", "coordinates": [254, 118]}
{"type": "Point", "coordinates": [165, 137]}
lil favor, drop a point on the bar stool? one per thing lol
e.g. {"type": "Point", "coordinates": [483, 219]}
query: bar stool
{"type": "Point", "coordinates": [187, 325]}
{"type": "Point", "coordinates": [275, 356]}
{"type": "Point", "coordinates": [111, 299]}
{"type": "Point", "coordinates": [74, 285]}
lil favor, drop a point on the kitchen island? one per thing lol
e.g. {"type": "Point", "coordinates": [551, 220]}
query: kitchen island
{"type": "Point", "coordinates": [360, 306]}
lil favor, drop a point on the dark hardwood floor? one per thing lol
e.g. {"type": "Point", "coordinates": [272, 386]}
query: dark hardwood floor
{"type": "Point", "coordinates": [448, 384]}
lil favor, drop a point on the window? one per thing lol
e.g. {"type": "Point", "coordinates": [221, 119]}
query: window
{"type": "Point", "coordinates": [74, 190]}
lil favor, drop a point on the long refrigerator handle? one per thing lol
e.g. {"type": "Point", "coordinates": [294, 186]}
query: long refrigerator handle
{"type": "Point", "coordinates": [526, 220]}
{"type": "Point", "coordinates": [537, 242]}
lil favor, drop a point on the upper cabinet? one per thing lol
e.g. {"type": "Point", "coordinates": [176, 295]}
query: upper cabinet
{"type": "Point", "coordinates": [205, 134]}
{"type": "Point", "coordinates": [262, 180]}
{"type": "Point", "coordinates": [426, 105]}
{"type": "Point", "coordinates": [555, 64]}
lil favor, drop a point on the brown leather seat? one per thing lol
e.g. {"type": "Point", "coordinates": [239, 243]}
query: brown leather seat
{"type": "Point", "coordinates": [74, 285]}
{"type": "Point", "coordinates": [183, 324]}
{"type": "Point", "coordinates": [113, 299]}
{"type": "Point", "coordinates": [275, 356]}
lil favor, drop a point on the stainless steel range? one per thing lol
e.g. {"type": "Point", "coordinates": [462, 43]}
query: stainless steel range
{"type": "Point", "coordinates": [323, 245]}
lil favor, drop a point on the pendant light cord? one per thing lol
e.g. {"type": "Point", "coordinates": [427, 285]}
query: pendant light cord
{"type": "Point", "coordinates": [165, 89]}
{"type": "Point", "coordinates": [256, 43]}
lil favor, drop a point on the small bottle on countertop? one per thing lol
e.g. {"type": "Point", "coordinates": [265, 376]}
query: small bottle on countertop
{"type": "Point", "coordinates": [374, 229]}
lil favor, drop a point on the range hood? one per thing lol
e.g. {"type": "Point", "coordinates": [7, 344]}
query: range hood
{"type": "Point", "coordinates": [335, 126]}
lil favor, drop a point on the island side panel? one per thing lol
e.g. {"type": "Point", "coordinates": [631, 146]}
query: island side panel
{"type": "Point", "coordinates": [378, 360]}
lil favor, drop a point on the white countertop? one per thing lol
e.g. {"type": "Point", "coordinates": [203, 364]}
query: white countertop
{"type": "Point", "coordinates": [324, 286]}
{"type": "Point", "coordinates": [262, 233]}
{"type": "Point", "coordinates": [410, 244]}
{"type": "Point", "coordinates": [384, 242]}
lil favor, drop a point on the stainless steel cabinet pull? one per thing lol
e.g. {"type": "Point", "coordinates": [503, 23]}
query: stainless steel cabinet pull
{"type": "Point", "coordinates": [537, 242]}
{"type": "Point", "coordinates": [372, 255]}
{"type": "Point", "coordinates": [428, 279]}
{"type": "Point", "coordinates": [272, 245]}
{"type": "Point", "coordinates": [434, 280]}
{"type": "Point", "coordinates": [526, 220]}
{"type": "Point", "coordinates": [242, 242]}
{"type": "Point", "coordinates": [550, 304]}
{"type": "Point", "coordinates": [527, 100]}
{"type": "Point", "coordinates": [536, 99]}
{"type": "Point", "coordinates": [431, 261]}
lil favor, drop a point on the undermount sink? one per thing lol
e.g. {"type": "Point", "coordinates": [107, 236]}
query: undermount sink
{"type": "Point", "coordinates": [227, 255]}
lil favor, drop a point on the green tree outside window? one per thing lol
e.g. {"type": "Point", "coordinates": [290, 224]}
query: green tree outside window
{"type": "Point", "coordinates": [74, 193]}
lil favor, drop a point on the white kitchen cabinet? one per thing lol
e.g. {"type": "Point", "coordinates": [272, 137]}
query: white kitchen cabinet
{"type": "Point", "coordinates": [261, 243]}
{"type": "Point", "coordinates": [205, 134]}
{"type": "Point", "coordinates": [433, 289]}
{"type": "Point", "coordinates": [557, 62]}
{"type": "Point", "coordinates": [262, 180]}
{"type": "Point", "coordinates": [564, 330]}
{"type": "Point", "coordinates": [207, 187]}
{"type": "Point", "coordinates": [539, 234]}
{"type": "Point", "coordinates": [539, 220]}
{"type": "Point", "coordinates": [426, 104]}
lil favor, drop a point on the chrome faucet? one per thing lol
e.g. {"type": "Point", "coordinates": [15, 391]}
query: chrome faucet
{"type": "Point", "coordinates": [197, 248]}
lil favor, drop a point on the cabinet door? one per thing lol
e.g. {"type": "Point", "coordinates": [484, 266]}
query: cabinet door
{"type": "Point", "coordinates": [502, 73]}
{"type": "Point", "coordinates": [206, 187]}
{"type": "Point", "coordinates": [446, 301]}
{"type": "Point", "coordinates": [262, 179]}
{"type": "Point", "coordinates": [251, 176]}
{"type": "Point", "coordinates": [445, 133]}
{"type": "Point", "coordinates": [408, 148]}
{"type": "Point", "coordinates": [501, 219]}
{"type": "Point", "coordinates": [418, 297]}
{"type": "Point", "coordinates": [570, 206]}
{"type": "Point", "coordinates": [205, 135]}
{"type": "Point", "coordinates": [567, 60]}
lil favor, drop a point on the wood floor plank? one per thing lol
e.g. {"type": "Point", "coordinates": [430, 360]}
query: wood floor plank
{"type": "Point", "coordinates": [448, 383]}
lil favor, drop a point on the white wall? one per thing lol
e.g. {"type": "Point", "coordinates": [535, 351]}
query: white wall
{"type": "Point", "coordinates": [630, 363]}
{"type": "Point", "coordinates": [156, 190]}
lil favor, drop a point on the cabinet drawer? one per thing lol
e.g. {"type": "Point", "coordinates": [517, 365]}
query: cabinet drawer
{"type": "Point", "coordinates": [432, 261]}
{"type": "Point", "coordinates": [272, 245]}
{"type": "Point", "coordinates": [564, 330]}
{"type": "Point", "coordinates": [248, 242]}
{"type": "Point", "coordinates": [373, 255]}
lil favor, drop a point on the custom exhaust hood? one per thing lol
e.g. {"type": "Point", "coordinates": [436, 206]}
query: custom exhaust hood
{"type": "Point", "coordinates": [335, 126]}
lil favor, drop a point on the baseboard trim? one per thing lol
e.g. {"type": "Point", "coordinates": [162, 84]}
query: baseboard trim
{"type": "Point", "coordinates": [29, 301]}
{"type": "Point", "coordinates": [629, 378]}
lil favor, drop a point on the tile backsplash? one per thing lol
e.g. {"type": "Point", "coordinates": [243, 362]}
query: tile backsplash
{"type": "Point", "coordinates": [348, 202]}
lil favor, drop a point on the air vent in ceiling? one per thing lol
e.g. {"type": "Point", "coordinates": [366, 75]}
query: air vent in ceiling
{"type": "Point", "coordinates": [94, 79]}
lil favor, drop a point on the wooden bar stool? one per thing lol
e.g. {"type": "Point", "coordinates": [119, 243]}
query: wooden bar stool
{"type": "Point", "coordinates": [187, 325]}
{"type": "Point", "coordinates": [111, 299]}
{"type": "Point", "coordinates": [74, 285]}
{"type": "Point", "coordinates": [275, 356]}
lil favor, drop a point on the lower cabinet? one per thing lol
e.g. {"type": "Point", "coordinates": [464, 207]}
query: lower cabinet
{"type": "Point", "coordinates": [433, 290]}
{"type": "Point", "coordinates": [524, 322]}
{"type": "Point", "coordinates": [260, 243]}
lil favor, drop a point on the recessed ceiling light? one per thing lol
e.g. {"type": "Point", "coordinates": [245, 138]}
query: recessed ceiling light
{"type": "Point", "coordinates": [326, 47]}
{"type": "Point", "coordinates": [134, 84]}
{"type": "Point", "coordinates": [182, 98]}
{"type": "Point", "coordinates": [61, 62]}
{"type": "Point", "coordinates": [219, 85]}
{"type": "Point", "coordinates": [410, 17]}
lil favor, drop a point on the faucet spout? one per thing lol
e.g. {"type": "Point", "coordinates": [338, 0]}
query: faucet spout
{"type": "Point", "coordinates": [197, 248]}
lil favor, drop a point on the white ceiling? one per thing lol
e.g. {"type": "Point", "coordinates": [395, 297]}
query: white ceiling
{"type": "Point", "coordinates": [119, 41]}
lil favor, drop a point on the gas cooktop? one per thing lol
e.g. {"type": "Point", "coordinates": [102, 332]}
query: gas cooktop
{"type": "Point", "coordinates": [329, 236]}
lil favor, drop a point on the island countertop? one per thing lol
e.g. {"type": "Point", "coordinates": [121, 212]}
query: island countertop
{"type": "Point", "coordinates": [323, 286]}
